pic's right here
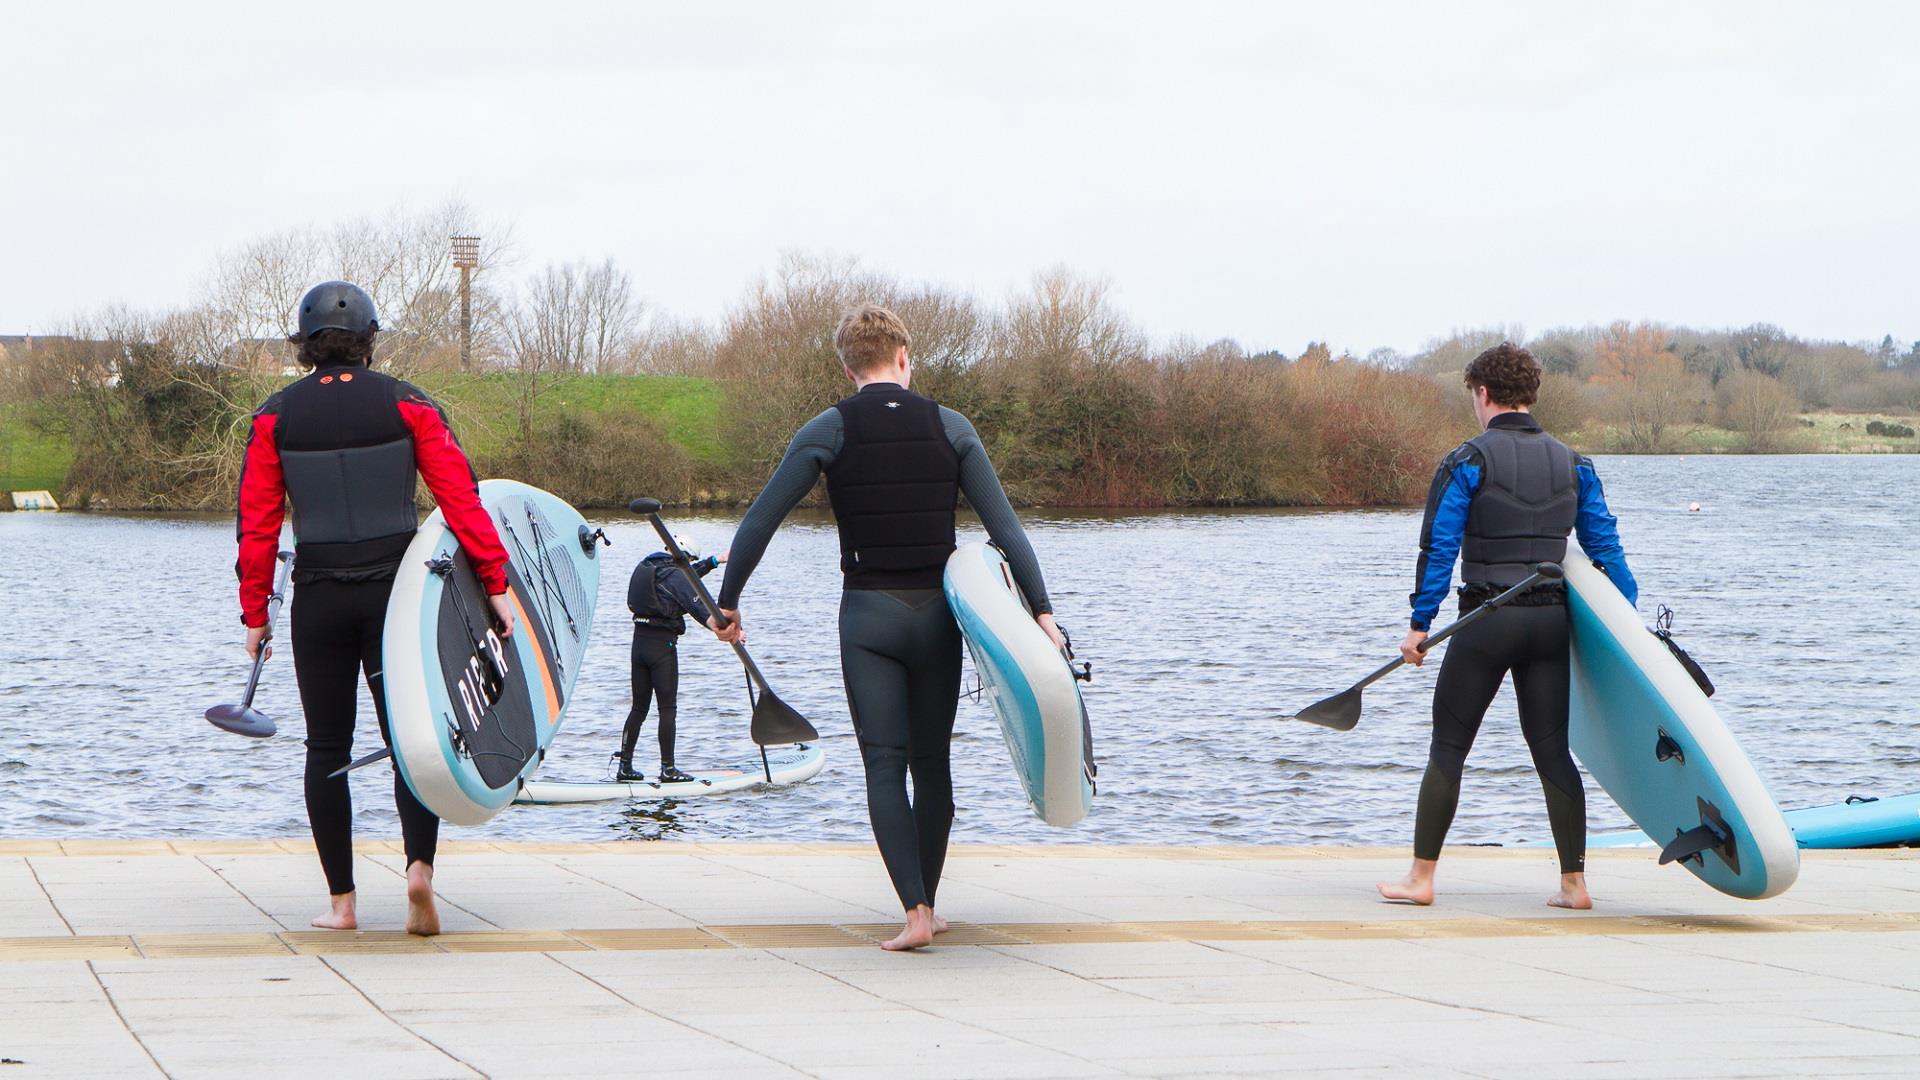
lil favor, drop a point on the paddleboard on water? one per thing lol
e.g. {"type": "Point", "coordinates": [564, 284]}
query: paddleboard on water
{"type": "Point", "coordinates": [1649, 736]}
{"type": "Point", "coordinates": [789, 764]}
{"type": "Point", "coordinates": [472, 714]}
{"type": "Point", "coordinates": [1855, 823]}
{"type": "Point", "coordinates": [1030, 684]}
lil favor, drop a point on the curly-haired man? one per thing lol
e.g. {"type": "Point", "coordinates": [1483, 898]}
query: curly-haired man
{"type": "Point", "coordinates": [1502, 502]}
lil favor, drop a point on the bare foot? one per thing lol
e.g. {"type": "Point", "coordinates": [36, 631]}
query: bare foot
{"type": "Point", "coordinates": [1415, 888]}
{"type": "Point", "coordinates": [939, 923]}
{"type": "Point", "coordinates": [919, 931]}
{"type": "Point", "coordinates": [340, 916]}
{"type": "Point", "coordinates": [422, 918]}
{"type": "Point", "coordinates": [1572, 894]}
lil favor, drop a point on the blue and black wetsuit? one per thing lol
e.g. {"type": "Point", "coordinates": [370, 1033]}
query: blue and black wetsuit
{"type": "Point", "coordinates": [895, 463]}
{"type": "Point", "coordinates": [661, 599]}
{"type": "Point", "coordinates": [1501, 503]}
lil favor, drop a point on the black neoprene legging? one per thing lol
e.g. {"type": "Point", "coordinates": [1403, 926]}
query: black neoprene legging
{"type": "Point", "coordinates": [656, 673]}
{"type": "Point", "coordinates": [1532, 643]}
{"type": "Point", "coordinates": [336, 629]}
{"type": "Point", "coordinates": [900, 656]}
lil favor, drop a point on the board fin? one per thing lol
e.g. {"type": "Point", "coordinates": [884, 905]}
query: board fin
{"type": "Point", "coordinates": [1712, 834]}
{"type": "Point", "coordinates": [1666, 749]}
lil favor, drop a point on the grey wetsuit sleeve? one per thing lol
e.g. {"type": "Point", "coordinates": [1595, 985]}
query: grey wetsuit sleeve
{"type": "Point", "coordinates": [813, 449]}
{"type": "Point", "coordinates": [981, 485]}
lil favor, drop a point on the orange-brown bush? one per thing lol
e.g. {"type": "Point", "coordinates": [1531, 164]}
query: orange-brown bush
{"type": "Point", "coordinates": [1075, 407]}
{"type": "Point", "coordinates": [1565, 404]}
{"type": "Point", "coordinates": [1377, 435]}
{"type": "Point", "coordinates": [1759, 408]}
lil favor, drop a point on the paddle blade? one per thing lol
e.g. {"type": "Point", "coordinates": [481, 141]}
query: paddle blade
{"type": "Point", "coordinates": [1339, 712]}
{"type": "Point", "coordinates": [775, 723]}
{"type": "Point", "coordinates": [241, 720]}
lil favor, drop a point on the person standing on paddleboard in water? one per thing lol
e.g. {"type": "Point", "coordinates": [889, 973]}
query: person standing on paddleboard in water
{"type": "Point", "coordinates": [895, 464]}
{"type": "Point", "coordinates": [1503, 502]}
{"type": "Point", "coordinates": [343, 444]}
{"type": "Point", "coordinates": [660, 598]}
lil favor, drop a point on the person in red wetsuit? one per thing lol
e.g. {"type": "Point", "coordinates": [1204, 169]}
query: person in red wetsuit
{"type": "Point", "coordinates": [343, 445]}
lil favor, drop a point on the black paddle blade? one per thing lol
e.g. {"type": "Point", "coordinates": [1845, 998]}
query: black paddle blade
{"type": "Point", "coordinates": [644, 506]}
{"type": "Point", "coordinates": [776, 723]}
{"type": "Point", "coordinates": [1341, 712]}
{"type": "Point", "coordinates": [241, 720]}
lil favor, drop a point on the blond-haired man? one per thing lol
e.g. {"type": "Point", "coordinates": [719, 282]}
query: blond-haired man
{"type": "Point", "coordinates": [895, 464]}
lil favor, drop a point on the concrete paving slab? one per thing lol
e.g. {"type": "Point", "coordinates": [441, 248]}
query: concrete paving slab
{"type": "Point", "coordinates": [193, 958]}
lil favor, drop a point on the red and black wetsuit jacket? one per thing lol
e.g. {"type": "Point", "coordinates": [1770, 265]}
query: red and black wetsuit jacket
{"type": "Point", "coordinates": [343, 445]}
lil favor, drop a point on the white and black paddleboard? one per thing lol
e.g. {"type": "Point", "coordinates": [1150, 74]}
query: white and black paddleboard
{"type": "Point", "coordinates": [789, 765]}
{"type": "Point", "coordinates": [472, 713]}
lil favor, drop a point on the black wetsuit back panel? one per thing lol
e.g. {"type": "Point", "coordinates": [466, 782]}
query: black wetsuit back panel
{"type": "Point", "coordinates": [347, 455]}
{"type": "Point", "coordinates": [1528, 499]}
{"type": "Point", "coordinates": [894, 487]}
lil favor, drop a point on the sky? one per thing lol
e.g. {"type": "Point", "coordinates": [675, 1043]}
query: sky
{"type": "Point", "coordinates": [1368, 174]}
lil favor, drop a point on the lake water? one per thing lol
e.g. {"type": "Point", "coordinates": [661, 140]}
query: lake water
{"type": "Point", "coordinates": [1795, 585]}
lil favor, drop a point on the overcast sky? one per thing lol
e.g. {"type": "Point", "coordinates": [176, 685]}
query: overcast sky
{"type": "Point", "coordinates": [1366, 173]}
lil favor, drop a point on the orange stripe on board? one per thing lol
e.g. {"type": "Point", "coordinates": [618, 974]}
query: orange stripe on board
{"type": "Point", "coordinates": [540, 658]}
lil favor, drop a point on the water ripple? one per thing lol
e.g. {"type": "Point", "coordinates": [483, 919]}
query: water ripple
{"type": "Point", "coordinates": [1795, 586]}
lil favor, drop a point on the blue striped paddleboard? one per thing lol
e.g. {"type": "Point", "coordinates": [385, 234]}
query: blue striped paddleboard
{"type": "Point", "coordinates": [1856, 823]}
{"type": "Point", "coordinates": [1646, 733]}
{"type": "Point", "coordinates": [471, 715]}
{"type": "Point", "coordinates": [1028, 681]}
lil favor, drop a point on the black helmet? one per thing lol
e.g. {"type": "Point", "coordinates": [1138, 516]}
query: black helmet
{"type": "Point", "coordinates": [336, 305]}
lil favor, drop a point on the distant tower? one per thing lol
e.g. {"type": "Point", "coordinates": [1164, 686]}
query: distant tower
{"type": "Point", "coordinates": [466, 256]}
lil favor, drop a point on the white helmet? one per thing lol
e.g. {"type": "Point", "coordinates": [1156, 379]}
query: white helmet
{"type": "Point", "coordinates": [687, 545]}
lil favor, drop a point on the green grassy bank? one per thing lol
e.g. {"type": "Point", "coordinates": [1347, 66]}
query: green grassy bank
{"type": "Point", "coordinates": [663, 432]}
{"type": "Point", "coordinates": [484, 410]}
{"type": "Point", "coordinates": [1816, 433]}
{"type": "Point", "coordinates": [30, 460]}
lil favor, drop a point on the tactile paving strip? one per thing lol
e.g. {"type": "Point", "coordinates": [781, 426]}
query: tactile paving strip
{"type": "Point", "coordinates": [792, 936]}
{"type": "Point", "coordinates": [680, 937]}
{"type": "Point", "coordinates": [867, 935]}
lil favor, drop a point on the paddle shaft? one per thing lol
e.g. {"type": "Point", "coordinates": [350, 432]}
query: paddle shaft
{"type": "Point", "coordinates": [273, 616]}
{"type": "Point", "coordinates": [381, 754]}
{"type": "Point", "coordinates": [1458, 625]}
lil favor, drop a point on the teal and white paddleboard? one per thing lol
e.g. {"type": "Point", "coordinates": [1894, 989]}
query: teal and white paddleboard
{"type": "Point", "coordinates": [1647, 734]}
{"type": "Point", "coordinates": [1028, 681]}
{"type": "Point", "coordinates": [1855, 823]}
{"type": "Point", "coordinates": [472, 714]}
{"type": "Point", "coordinates": [789, 765]}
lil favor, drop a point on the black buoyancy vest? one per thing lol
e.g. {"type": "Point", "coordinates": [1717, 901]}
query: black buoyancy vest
{"type": "Point", "coordinates": [347, 455]}
{"type": "Point", "coordinates": [894, 487]}
{"type": "Point", "coordinates": [1528, 501]}
{"type": "Point", "coordinates": [648, 599]}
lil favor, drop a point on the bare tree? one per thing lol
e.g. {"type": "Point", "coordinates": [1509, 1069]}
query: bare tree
{"type": "Point", "coordinates": [1064, 317]}
{"type": "Point", "coordinates": [402, 260]}
{"type": "Point", "coordinates": [1758, 407]}
{"type": "Point", "coordinates": [1646, 389]}
{"type": "Point", "coordinates": [1389, 359]}
{"type": "Point", "coordinates": [1762, 347]}
{"type": "Point", "coordinates": [576, 318]}
{"type": "Point", "coordinates": [573, 319]}
{"type": "Point", "coordinates": [775, 354]}
{"type": "Point", "coordinates": [1450, 355]}
{"type": "Point", "coordinates": [668, 346]}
